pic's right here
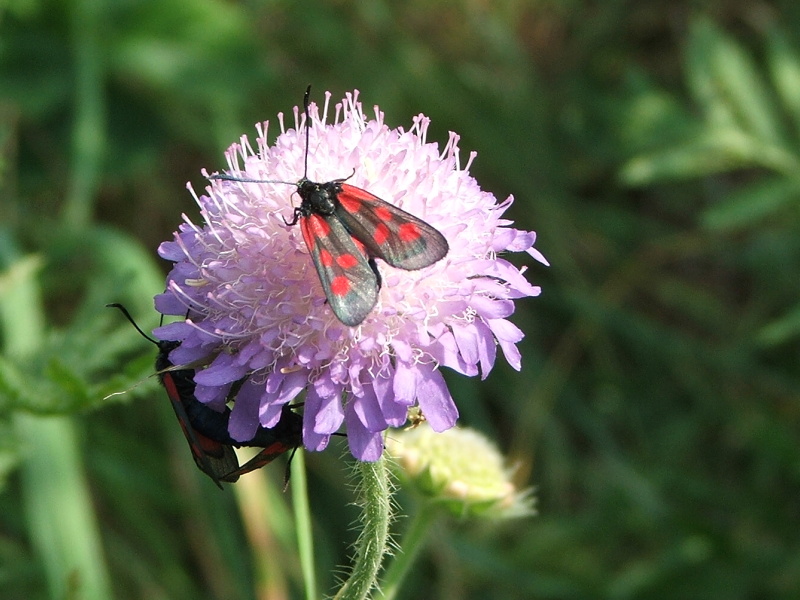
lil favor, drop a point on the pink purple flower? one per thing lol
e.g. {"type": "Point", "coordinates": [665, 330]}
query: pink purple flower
{"type": "Point", "coordinates": [255, 308]}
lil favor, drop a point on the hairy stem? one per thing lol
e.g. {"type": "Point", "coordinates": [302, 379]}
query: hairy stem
{"type": "Point", "coordinates": [375, 499]}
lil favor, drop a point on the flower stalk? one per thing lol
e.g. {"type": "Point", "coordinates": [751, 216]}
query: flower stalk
{"type": "Point", "coordinates": [302, 515]}
{"type": "Point", "coordinates": [375, 499]}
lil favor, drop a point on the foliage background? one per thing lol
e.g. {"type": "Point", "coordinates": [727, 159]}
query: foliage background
{"type": "Point", "coordinates": [654, 147]}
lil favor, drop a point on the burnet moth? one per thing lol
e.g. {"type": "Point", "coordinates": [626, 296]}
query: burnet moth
{"type": "Point", "coordinates": [206, 430]}
{"type": "Point", "coordinates": [346, 228]}
{"type": "Point", "coordinates": [212, 457]}
{"type": "Point", "coordinates": [286, 435]}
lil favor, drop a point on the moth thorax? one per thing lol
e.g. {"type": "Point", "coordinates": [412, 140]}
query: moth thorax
{"type": "Point", "coordinates": [319, 198]}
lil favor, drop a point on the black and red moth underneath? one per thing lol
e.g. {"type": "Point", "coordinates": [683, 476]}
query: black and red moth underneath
{"type": "Point", "coordinates": [346, 228]}
{"type": "Point", "coordinates": [206, 430]}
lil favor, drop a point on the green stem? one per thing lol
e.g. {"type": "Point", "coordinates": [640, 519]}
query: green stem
{"type": "Point", "coordinates": [55, 492]}
{"type": "Point", "coordinates": [414, 540]}
{"type": "Point", "coordinates": [59, 509]}
{"type": "Point", "coordinates": [375, 499]}
{"type": "Point", "coordinates": [88, 136]}
{"type": "Point", "coordinates": [302, 515]}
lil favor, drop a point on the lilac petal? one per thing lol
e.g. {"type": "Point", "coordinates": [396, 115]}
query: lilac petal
{"type": "Point", "coordinates": [466, 339]}
{"type": "Point", "coordinates": [337, 375]}
{"type": "Point", "coordinates": [490, 308]}
{"type": "Point", "coordinates": [261, 360]}
{"type": "Point", "coordinates": [183, 271]}
{"type": "Point", "coordinates": [509, 273]}
{"type": "Point", "coordinates": [177, 331]}
{"type": "Point", "coordinates": [186, 354]}
{"type": "Point", "coordinates": [487, 348]}
{"type": "Point", "coordinates": [311, 439]}
{"type": "Point", "coordinates": [404, 384]}
{"type": "Point", "coordinates": [503, 238]}
{"type": "Point", "coordinates": [214, 396]}
{"type": "Point", "coordinates": [538, 256]}
{"type": "Point", "coordinates": [291, 386]}
{"type": "Point", "coordinates": [402, 350]}
{"type": "Point", "coordinates": [270, 414]}
{"type": "Point", "coordinates": [507, 335]}
{"type": "Point", "coordinates": [512, 354]}
{"type": "Point", "coordinates": [394, 413]}
{"type": "Point", "coordinates": [364, 444]}
{"type": "Point", "coordinates": [447, 354]}
{"type": "Point", "coordinates": [435, 401]}
{"type": "Point", "coordinates": [521, 241]}
{"type": "Point", "coordinates": [368, 409]}
{"type": "Point", "coordinates": [274, 382]}
{"type": "Point", "coordinates": [316, 442]}
{"type": "Point", "coordinates": [222, 370]}
{"type": "Point", "coordinates": [171, 251]}
{"type": "Point", "coordinates": [246, 353]}
{"type": "Point", "coordinates": [326, 410]}
{"type": "Point", "coordinates": [354, 376]}
{"type": "Point", "coordinates": [484, 286]}
{"type": "Point", "coordinates": [169, 304]}
{"type": "Point", "coordinates": [244, 417]}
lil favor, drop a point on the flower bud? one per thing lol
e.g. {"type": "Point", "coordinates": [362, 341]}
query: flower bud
{"type": "Point", "coordinates": [460, 469]}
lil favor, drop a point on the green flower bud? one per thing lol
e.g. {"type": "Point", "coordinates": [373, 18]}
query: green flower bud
{"type": "Point", "coordinates": [460, 469]}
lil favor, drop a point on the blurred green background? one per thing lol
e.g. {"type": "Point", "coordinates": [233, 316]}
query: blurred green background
{"type": "Point", "coordinates": [654, 147]}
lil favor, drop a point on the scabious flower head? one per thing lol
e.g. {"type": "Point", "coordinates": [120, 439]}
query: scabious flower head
{"type": "Point", "coordinates": [254, 307]}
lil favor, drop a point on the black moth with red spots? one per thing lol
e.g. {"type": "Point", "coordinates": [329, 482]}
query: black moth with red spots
{"type": "Point", "coordinates": [206, 430]}
{"type": "Point", "coordinates": [286, 435]}
{"type": "Point", "coordinates": [346, 228]}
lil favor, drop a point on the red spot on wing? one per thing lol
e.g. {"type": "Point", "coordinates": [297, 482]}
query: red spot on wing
{"type": "Point", "coordinates": [383, 213]}
{"type": "Point", "coordinates": [346, 261]}
{"type": "Point", "coordinates": [381, 234]}
{"type": "Point", "coordinates": [325, 258]}
{"type": "Point", "coordinates": [318, 226]}
{"type": "Point", "coordinates": [408, 232]}
{"type": "Point", "coordinates": [305, 229]}
{"type": "Point", "coordinates": [340, 286]}
{"type": "Point", "coordinates": [349, 202]}
{"type": "Point", "coordinates": [313, 227]}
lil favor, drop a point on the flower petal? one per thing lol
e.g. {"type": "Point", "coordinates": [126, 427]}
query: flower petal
{"type": "Point", "coordinates": [364, 444]}
{"type": "Point", "coordinates": [244, 420]}
{"type": "Point", "coordinates": [435, 401]}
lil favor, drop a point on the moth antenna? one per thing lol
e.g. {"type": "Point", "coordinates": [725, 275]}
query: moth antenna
{"type": "Point", "coordinates": [306, 100]}
{"type": "Point", "coordinates": [225, 177]}
{"type": "Point", "coordinates": [130, 318]}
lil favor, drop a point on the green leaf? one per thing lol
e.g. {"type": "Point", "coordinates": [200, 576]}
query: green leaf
{"type": "Point", "coordinates": [781, 330]}
{"type": "Point", "coordinates": [697, 157]}
{"type": "Point", "coordinates": [72, 387]}
{"type": "Point", "coordinates": [701, 77]}
{"type": "Point", "coordinates": [751, 204]}
{"type": "Point", "coordinates": [12, 385]}
{"type": "Point", "coordinates": [9, 452]}
{"type": "Point", "coordinates": [729, 83]}
{"type": "Point", "coordinates": [717, 151]}
{"type": "Point", "coordinates": [784, 66]}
